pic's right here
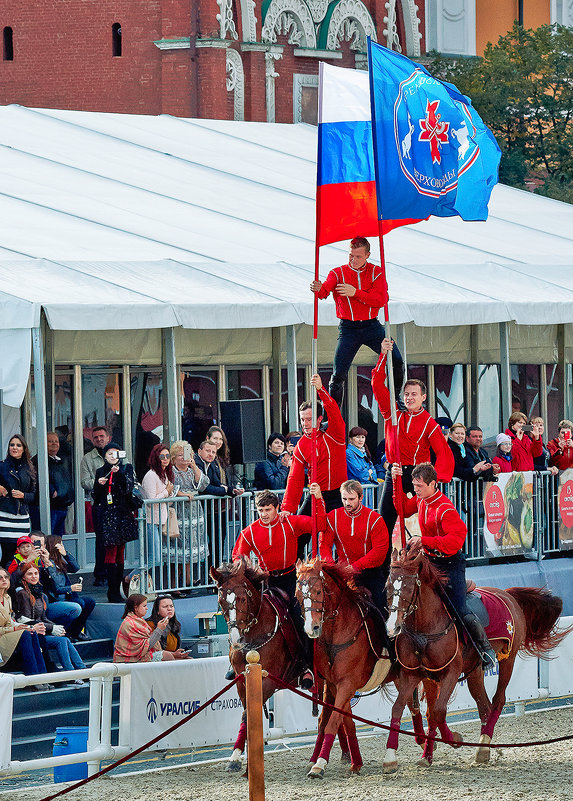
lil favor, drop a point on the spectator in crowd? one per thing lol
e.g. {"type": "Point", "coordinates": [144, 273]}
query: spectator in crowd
{"type": "Point", "coordinates": [135, 641]}
{"type": "Point", "coordinates": [88, 466]}
{"type": "Point", "coordinates": [17, 490]}
{"type": "Point", "coordinates": [457, 443]}
{"type": "Point", "coordinates": [358, 460]}
{"type": "Point", "coordinates": [543, 462]}
{"type": "Point", "coordinates": [66, 603]}
{"type": "Point", "coordinates": [112, 493]}
{"type": "Point", "coordinates": [157, 483]}
{"type": "Point", "coordinates": [291, 440]}
{"type": "Point", "coordinates": [380, 460]}
{"type": "Point", "coordinates": [502, 456]}
{"type": "Point", "coordinates": [206, 460]}
{"type": "Point", "coordinates": [477, 459]}
{"type": "Point", "coordinates": [190, 480]}
{"type": "Point", "coordinates": [445, 424]}
{"type": "Point", "coordinates": [272, 474]}
{"type": "Point", "coordinates": [29, 551]}
{"type": "Point", "coordinates": [31, 605]}
{"type": "Point", "coordinates": [561, 448]}
{"type": "Point", "coordinates": [523, 449]}
{"type": "Point", "coordinates": [217, 436]}
{"type": "Point", "coordinates": [18, 642]}
{"type": "Point", "coordinates": [170, 640]}
{"type": "Point", "coordinates": [61, 487]}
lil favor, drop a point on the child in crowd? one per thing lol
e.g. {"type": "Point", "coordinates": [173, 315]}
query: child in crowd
{"type": "Point", "coordinates": [503, 453]}
{"type": "Point", "coordinates": [28, 552]}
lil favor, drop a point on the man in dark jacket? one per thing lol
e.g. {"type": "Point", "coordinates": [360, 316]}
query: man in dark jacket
{"type": "Point", "coordinates": [478, 463]}
{"type": "Point", "coordinates": [205, 460]}
{"type": "Point", "coordinates": [61, 487]}
{"type": "Point", "coordinates": [272, 474]}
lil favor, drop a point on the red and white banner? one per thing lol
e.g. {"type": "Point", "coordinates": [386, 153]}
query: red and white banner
{"type": "Point", "coordinates": [508, 514]}
{"type": "Point", "coordinates": [566, 509]}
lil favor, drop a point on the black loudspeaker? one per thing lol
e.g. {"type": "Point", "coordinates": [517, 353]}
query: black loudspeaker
{"type": "Point", "coordinates": [243, 421]}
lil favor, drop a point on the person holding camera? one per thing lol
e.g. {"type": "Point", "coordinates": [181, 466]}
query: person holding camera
{"type": "Point", "coordinates": [524, 449]}
{"type": "Point", "coordinates": [272, 474]}
{"type": "Point", "coordinates": [112, 493]}
{"type": "Point", "coordinates": [17, 491]}
{"type": "Point", "coordinates": [28, 552]}
{"type": "Point", "coordinates": [561, 447]}
{"type": "Point", "coordinates": [66, 604]}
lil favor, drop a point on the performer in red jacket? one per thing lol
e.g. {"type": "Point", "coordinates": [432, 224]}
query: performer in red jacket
{"type": "Point", "coordinates": [443, 537]}
{"type": "Point", "coordinates": [523, 449]}
{"type": "Point", "coordinates": [561, 448]}
{"type": "Point", "coordinates": [361, 539]}
{"type": "Point", "coordinates": [417, 433]}
{"type": "Point", "coordinates": [331, 460]}
{"type": "Point", "coordinates": [359, 291]}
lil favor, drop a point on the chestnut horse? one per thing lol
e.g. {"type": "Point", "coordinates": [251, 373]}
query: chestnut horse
{"type": "Point", "coordinates": [254, 622]}
{"type": "Point", "coordinates": [349, 645]}
{"type": "Point", "coordinates": [429, 649]}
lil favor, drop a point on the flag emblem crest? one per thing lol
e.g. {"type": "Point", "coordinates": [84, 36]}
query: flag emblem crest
{"type": "Point", "coordinates": [433, 130]}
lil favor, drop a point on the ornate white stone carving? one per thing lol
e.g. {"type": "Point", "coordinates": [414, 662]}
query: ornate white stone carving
{"type": "Point", "coordinates": [226, 20]}
{"type": "Point", "coordinates": [318, 9]}
{"type": "Point", "coordinates": [270, 57]}
{"type": "Point", "coordinates": [451, 26]}
{"type": "Point", "coordinates": [298, 82]}
{"type": "Point", "coordinates": [411, 27]}
{"type": "Point", "coordinates": [391, 31]}
{"type": "Point", "coordinates": [350, 22]}
{"type": "Point", "coordinates": [291, 17]}
{"type": "Point", "coordinates": [236, 83]}
{"type": "Point", "coordinates": [249, 21]}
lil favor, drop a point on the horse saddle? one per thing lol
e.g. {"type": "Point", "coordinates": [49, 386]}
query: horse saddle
{"type": "Point", "coordinates": [475, 604]}
{"type": "Point", "coordinates": [379, 673]}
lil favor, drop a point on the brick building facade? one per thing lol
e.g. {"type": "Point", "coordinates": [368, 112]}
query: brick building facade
{"type": "Point", "coordinates": [224, 59]}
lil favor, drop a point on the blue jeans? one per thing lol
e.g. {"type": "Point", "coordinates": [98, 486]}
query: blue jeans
{"type": "Point", "coordinates": [352, 334]}
{"type": "Point", "coordinates": [58, 521]}
{"type": "Point", "coordinates": [30, 652]}
{"type": "Point", "coordinates": [153, 545]}
{"type": "Point", "coordinates": [63, 612]}
{"type": "Point", "coordinates": [456, 589]}
{"type": "Point", "coordinates": [66, 651]}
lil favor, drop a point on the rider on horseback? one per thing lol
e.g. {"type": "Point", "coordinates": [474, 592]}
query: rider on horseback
{"type": "Point", "coordinates": [443, 537]}
{"type": "Point", "coordinates": [273, 538]}
{"type": "Point", "coordinates": [361, 540]}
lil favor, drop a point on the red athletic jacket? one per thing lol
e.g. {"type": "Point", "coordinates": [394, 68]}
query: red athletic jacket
{"type": "Point", "coordinates": [442, 528]}
{"type": "Point", "coordinates": [331, 461]}
{"type": "Point", "coordinates": [417, 432]}
{"type": "Point", "coordinates": [361, 539]}
{"type": "Point", "coordinates": [523, 451]}
{"type": "Point", "coordinates": [275, 545]}
{"type": "Point", "coordinates": [560, 458]}
{"type": "Point", "coordinates": [370, 295]}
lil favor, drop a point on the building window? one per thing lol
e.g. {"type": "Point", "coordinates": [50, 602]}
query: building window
{"type": "Point", "coordinates": [8, 44]}
{"type": "Point", "coordinates": [305, 99]}
{"type": "Point", "coordinates": [449, 381]}
{"type": "Point", "coordinates": [116, 39]}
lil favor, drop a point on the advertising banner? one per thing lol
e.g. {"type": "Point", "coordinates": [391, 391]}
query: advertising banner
{"type": "Point", "coordinates": [508, 514]}
{"type": "Point", "coordinates": [566, 509]}
{"type": "Point", "coordinates": [160, 694]}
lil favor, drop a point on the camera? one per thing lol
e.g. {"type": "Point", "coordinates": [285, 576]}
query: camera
{"type": "Point", "coordinates": [121, 454]}
{"type": "Point", "coordinates": [37, 543]}
{"type": "Point", "coordinates": [187, 453]}
{"type": "Point", "coordinates": [527, 429]}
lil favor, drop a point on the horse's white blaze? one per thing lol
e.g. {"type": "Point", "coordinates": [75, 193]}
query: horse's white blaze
{"type": "Point", "coordinates": [230, 598]}
{"type": "Point", "coordinates": [308, 623]}
{"type": "Point", "coordinates": [234, 635]}
{"type": "Point", "coordinates": [393, 617]}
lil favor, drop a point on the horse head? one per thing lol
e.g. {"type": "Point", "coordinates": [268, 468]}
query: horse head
{"type": "Point", "coordinates": [403, 587]}
{"type": "Point", "coordinates": [240, 595]}
{"type": "Point", "coordinates": [319, 587]}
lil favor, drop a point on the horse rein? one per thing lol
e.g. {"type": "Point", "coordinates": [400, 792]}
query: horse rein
{"type": "Point", "coordinates": [254, 619]}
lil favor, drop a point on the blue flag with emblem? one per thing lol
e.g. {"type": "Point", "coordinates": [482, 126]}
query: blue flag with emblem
{"type": "Point", "coordinates": [433, 154]}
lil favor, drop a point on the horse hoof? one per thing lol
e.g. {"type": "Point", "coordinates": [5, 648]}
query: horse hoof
{"type": "Point", "coordinates": [390, 767]}
{"type": "Point", "coordinates": [354, 770]}
{"type": "Point", "coordinates": [482, 756]}
{"type": "Point", "coordinates": [458, 739]}
{"type": "Point", "coordinates": [420, 740]}
{"type": "Point", "coordinates": [315, 773]}
{"type": "Point", "coordinates": [424, 762]}
{"type": "Point", "coordinates": [345, 758]}
{"type": "Point", "coordinates": [234, 767]}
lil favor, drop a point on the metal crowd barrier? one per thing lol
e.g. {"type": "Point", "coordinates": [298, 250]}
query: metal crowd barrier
{"type": "Point", "coordinates": [178, 556]}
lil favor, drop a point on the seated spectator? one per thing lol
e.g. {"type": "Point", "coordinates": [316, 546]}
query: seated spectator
{"type": "Point", "coordinates": [61, 487]}
{"type": "Point", "coordinates": [135, 641]}
{"type": "Point", "coordinates": [291, 440]}
{"type": "Point", "coordinates": [217, 436]}
{"type": "Point", "coordinates": [67, 605]}
{"type": "Point", "coordinates": [561, 448]}
{"type": "Point", "coordinates": [503, 453]}
{"type": "Point", "coordinates": [170, 640]}
{"type": "Point", "coordinates": [157, 483]}
{"type": "Point", "coordinates": [523, 449]}
{"type": "Point", "coordinates": [31, 605]}
{"type": "Point", "coordinates": [28, 552]}
{"type": "Point", "coordinates": [19, 645]}
{"type": "Point", "coordinates": [477, 461]}
{"type": "Point", "coordinates": [542, 463]}
{"type": "Point", "coordinates": [358, 459]}
{"type": "Point", "coordinates": [272, 474]}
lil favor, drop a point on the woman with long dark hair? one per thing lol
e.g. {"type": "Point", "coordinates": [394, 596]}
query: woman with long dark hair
{"type": "Point", "coordinates": [217, 436]}
{"type": "Point", "coordinates": [135, 641]}
{"type": "Point", "coordinates": [17, 490]}
{"type": "Point", "coordinates": [157, 483]}
{"type": "Point", "coordinates": [67, 605]}
{"type": "Point", "coordinates": [170, 640]}
{"type": "Point", "coordinates": [112, 494]}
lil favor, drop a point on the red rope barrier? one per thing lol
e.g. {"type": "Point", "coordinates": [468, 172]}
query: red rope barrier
{"type": "Point", "coordinates": [145, 745]}
{"type": "Point", "coordinates": [286, 686]}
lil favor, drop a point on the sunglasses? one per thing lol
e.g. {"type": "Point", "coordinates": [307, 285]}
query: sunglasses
{"type": "Point", "coordinates": [164, 456]}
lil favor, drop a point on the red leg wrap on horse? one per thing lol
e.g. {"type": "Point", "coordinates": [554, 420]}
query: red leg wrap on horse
{"type": "Point", "coordinates": [418, 723]}
{"type": "Point", "coordinates": [393, 735]}
{"type": "Point", "coordinates": [343, 739]}
{"type": "Point", "coordinates": [356, 758]}
{"type": "Point", "coordinates": [327, 746]}
{"type": "Point", "coordinates": [446, 733]}
{"type": "Point", "coordinates": [429, 747]}
{"type": "Point", "coordinates": [317, 747]}
{"type": "Point", "coordinates": [242, 736]}
{"type": "Point", "coordinates": [491, 721]}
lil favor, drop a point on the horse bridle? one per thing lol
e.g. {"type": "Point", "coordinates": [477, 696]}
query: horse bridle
{"type": "Point", "coordinates": [306, 594]}
{"type": "Point", "coordinates": [413, 605]}
{"type": "Point", "coordinates": [232, 607]}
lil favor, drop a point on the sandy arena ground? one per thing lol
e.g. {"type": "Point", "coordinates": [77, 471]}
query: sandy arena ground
{"type": "Point", "coordinates": [543, 773]}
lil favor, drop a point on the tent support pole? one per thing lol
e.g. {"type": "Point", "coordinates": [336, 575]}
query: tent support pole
{"type": "Point", "coordinates": [293, 423]}
{"type": "Point", "coordinates": [170, 386]}
{"type": "Point", "coordinates": [565, 405]}
{"type": "Point", "coordinates": [276, 421]}
{"type": "Point", "coordinates": [474, 377]}
{"type": "Point", "coordinates": [79, 497]}
{"type": "Point", "coordinates": [505, 373]}
{"type": "Point", "coordinates": [41, 429]}
{"type": "Point", "coordinates": [126, 412]}
{"type": "Point", "coordinates": [50, 374]}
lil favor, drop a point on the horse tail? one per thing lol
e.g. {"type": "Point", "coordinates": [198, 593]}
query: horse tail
{"type": "Point", "coordinates": [541, 610]}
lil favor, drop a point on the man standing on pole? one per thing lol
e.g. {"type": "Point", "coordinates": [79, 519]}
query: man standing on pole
{"type": "Point", "coordinates": [359, 290]}
{"type": "Point", "coordinates": [417, 432]}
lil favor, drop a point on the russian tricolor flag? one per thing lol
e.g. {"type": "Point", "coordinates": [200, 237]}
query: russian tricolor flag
{"type": "Point", "coordinates": [346, 188]}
